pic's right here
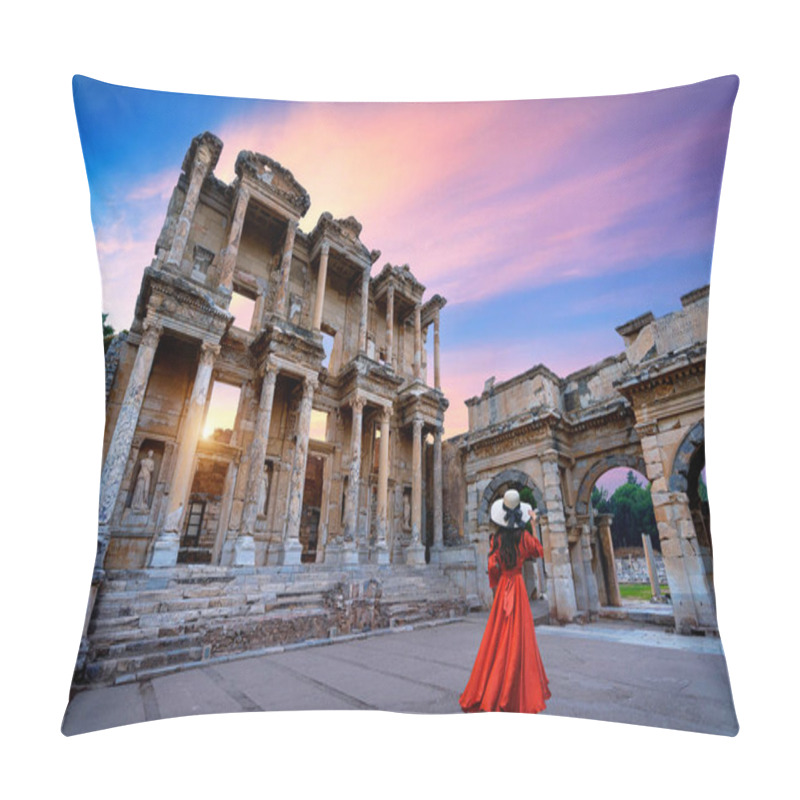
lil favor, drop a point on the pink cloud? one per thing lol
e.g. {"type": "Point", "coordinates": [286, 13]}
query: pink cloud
{"type": "Point", "coordinates": [522, 187]}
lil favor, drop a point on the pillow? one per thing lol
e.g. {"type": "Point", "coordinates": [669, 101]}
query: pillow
{"type": "Point", "coordinates": [305, 434]}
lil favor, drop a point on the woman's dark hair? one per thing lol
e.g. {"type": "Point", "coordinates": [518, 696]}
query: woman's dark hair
{"type": "Point", "coordinates": [506, 540]}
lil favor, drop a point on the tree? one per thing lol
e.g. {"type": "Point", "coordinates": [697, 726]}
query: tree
{"type": "Point", "coordinates": [108, 333]}
{"type": "Point", "coordinates": [526, 496]}
{"type": "Point", "coordinates": [600, 500]}
{"type": "Point", "coordinates": [632, 507]}
{"type": "Point", "coordinates": [702, 490]}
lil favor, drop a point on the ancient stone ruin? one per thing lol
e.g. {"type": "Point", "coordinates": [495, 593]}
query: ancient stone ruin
{"type": "Point", "coordinates": [642, 409]}
{"type": "Point", "coordinates": [325, 493]}
{"type": "Point", "coordinates": [330, 504]}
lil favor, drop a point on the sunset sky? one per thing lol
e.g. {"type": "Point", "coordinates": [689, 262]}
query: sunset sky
{"type": "Point", "coordinates": [545, 223]}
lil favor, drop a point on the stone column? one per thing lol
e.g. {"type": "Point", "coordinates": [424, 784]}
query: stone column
{"type": "Point", "coordinates": [200, 167]}
{"type": "Point", "coordinates": [655, 585]}
{"type": "Point", "coordinates": [417, 340]}
{"type": "Point", "coordinates": [438, 517]}
{"type": "Point", "coordinates": [282, 298]}
{"type": "Point", "coordinates": [234, 238]}
{"type": "Point", "coordinates": [437, 375]}
{"type": "Point", "coordinates": [690, 591]}
{"type": "Point", "coordinates": [127, 419]}
{"type": "Point", "coordinates": [389, 325]}
{"type": "Point", "coordinates": [350, 554]}
{"type": "Point", "coordinates": [321, 278]}
{"type": "Point", "coordinates": [562, 598]}
{"type": "Point", "coordinates": [244, 548]}
{"type": "Point", "coordinates": [258, 312]}
{"type": "Point", "coordinates": [383, 486]}
{"type": "Point", "coordinates": [165, 548]}
{"type": "Point", "coordinates": [292, 549]}
{"type": "Point", "coordinates": [591, 580]}
{"type": "Point", "coordinates": [578, 573]}
{"type": "Point", "coordinates": [604, 534]}
{"type": "Point", "coordinates": [416, 552]}
{"type": "Point", "coordinates": [362, 323]}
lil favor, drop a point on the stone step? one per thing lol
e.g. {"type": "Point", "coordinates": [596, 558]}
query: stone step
{"type": "Point", "coordinates": [151, 620]}
{"type": "Point", "coordinates": [148, 646]}
{"type": "Point", "coordinates": [108, 669]}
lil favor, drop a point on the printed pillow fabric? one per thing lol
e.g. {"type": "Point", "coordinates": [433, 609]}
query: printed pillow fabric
{"type": "Point", "coordinates": [306, 435]}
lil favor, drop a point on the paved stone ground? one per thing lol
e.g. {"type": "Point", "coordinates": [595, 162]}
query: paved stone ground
{"type": "Point", "coordinates": [616, 671]}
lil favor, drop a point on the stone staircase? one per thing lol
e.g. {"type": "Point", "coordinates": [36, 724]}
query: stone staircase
{"type": "Point", "coordinates": [157, 620]}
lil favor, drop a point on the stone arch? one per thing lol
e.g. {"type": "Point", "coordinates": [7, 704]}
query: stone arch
{"type": "Point", "coordinates": [684, 465]}
{"type": "Point", "coordinates": [684, 478]}
{"type": "Point", "coordinates": [503, 478]}
{"type": "Point", "coordinates": [615, 460]}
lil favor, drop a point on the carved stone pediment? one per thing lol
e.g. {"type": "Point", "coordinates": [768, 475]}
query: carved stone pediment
{"type": "Point", "coordinates": [269, 176]}
{"type": "Point", "coordinates": [343, 237]}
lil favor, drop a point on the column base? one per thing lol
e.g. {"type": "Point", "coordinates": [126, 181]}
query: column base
{"type": "Point", "coordinates": [292, 552]}
{"type": "Point", "coordinates": [349, 554]}
{"type": "Point", "coordinates": [332, 553]}
{"type": "Point", "coordinates": [165, 550]}
{"type": "Point", "coordinates": [244, 551]}
{"type": "Point", "coordinates": [415, 555]}
{"type": "Point", "coordinates": [436, 554]}
{"type": "Point", "coordinates": [382, 553]}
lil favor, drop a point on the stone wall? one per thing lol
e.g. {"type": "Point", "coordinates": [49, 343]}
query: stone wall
{"type": "Point", "coordinates": [633, 569]}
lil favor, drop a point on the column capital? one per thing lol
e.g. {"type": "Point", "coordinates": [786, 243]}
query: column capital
{"type": "Point", "coordinates": [646, 428]}
{"type": "Point", "coordinates": [268, 368]}
{"type": "Point", "coordinates": [357, 403]}
{"type": "Point", "coordinates": [324, 247]}
{"type": "Point", "coordinates": [208, 352]}
{"type": "Point", "coordinates": [386, 414]}
{"type": "Point", "coordinates": [550, 456]}
{"type": "Point", "coordinates": [292, 224]}
{"type": "Point", "coordinates": [152, 332]}
{"type": "Point", "coordinates": [310, 384]}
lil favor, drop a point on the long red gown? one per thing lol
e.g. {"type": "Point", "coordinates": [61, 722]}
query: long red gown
{"type": "Point", "coordinates": [508, 674]}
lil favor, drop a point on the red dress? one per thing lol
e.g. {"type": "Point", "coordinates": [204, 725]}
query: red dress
{"type": "Point", "coordinates": [508, 674]}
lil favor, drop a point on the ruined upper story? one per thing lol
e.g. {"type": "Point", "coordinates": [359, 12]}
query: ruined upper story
{"type": "Point", "coordinates": [238, 248]}
{"type": "Point", "coordinates": [652, 346]}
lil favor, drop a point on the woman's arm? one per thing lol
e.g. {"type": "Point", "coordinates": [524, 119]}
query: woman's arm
{"type": "Point", "coordinates": [494, 571]}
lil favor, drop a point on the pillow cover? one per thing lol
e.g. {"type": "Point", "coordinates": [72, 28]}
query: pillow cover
{"type": "Point", "coordinates": [276, 474]}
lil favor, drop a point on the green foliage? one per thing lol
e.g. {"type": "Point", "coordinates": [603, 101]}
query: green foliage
{"type": "Point", "coordinates": [703, 491]}
{"type": "Point", "coordinates": [108, 333]}
{"type": "Point", "coordinates": [600, 500]}
{"type": "Point", "coordinates": [632, 508]}
{"type": "Point", "coordinates": [526, 496]}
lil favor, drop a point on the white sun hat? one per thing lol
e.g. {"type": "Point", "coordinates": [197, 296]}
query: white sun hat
{"type": "Point", "coordinates": [504, 511]}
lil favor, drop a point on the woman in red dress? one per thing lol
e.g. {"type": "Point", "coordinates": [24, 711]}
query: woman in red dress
{"type": "Point", "coordinates": [508, 674]}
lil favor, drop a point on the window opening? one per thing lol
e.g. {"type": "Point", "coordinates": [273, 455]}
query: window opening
{"type": "Point", "coordinates": [221, 414]}
{"type": "Point", "coordinates": [242, 308]}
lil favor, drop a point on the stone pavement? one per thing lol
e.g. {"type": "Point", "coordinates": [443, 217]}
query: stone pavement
{"type": "Point", "coordinates": [617, 671]}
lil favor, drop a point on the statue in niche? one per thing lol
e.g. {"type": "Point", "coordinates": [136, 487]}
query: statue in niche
{"type": "Point", "coordinates": [295, 307]}
{"type": "Point", "coordinates": [406, 510]}
{"type": "Point", "coordinates": [141, 492]}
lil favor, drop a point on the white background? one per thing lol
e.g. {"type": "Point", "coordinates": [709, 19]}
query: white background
{"type": "Point", "coordinates": [53, 384]}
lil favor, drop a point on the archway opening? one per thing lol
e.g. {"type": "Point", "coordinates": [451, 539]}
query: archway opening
{"type": "Point", "coordinates": [533, 572]}
{"type": "Point", "coordinates": [697, 492]}
{"type": "Point", "coordinates": [624, 493]}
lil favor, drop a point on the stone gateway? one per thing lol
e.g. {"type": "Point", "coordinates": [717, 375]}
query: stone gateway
{"type": "Point", "coordinates": [642, 409]}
